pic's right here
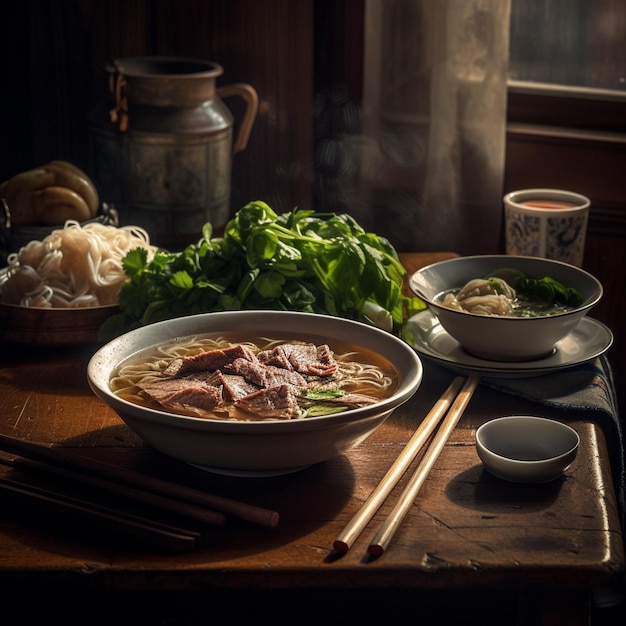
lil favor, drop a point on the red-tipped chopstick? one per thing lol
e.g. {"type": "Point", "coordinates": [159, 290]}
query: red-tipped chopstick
{"type": "Point", "coordinates": [386, 532]}
{"type": "Point", "coordinates": [359, 521]}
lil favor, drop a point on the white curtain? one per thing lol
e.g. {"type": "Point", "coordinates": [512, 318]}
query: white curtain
{"type": "Point", "coordinates": [432, 150]}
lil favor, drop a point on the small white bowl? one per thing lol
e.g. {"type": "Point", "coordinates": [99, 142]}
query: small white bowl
{"type": "Point", "coordinates": [498, 337]}
{"type": "Point", "coordinates": [526, 449]}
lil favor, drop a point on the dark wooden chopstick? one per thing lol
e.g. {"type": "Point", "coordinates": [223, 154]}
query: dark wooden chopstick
{"type": "Point", "coordinates": [157, 534]}
{"type": "Point", "coordinates": [137, 496]}
{"type": "Point", "coordinates": [67, 459]}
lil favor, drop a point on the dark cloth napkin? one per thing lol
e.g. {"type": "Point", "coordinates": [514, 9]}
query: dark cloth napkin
{"type": "Point", "coordinates": [588, 388]}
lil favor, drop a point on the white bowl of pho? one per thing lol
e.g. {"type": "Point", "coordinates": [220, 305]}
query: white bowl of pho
{"type": "Point", "coordinates": [255, 393]}
{"type": "Point", "coordinates": [507, 308]}
{"type": "Point", "coordinates": [526, 449]}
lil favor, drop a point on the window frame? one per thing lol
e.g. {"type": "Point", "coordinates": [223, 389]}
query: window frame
{"type": "Point", "coordinates": [580, 108]}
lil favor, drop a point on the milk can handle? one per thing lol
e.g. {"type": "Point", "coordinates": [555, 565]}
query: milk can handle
{"type": "Point", "coordinates": [249, 95]}
{"type": "Point", "coordinates": [119, 113]}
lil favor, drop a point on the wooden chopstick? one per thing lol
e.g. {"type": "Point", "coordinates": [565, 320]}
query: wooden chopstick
{"type": "Point", "coordinates": [359, 521]}
{"type": "Point", "coordinates": [384, 535]}
{"type": "Point", "coordinates": [163, 536]}
{"type": "Point", "coordinates": [123, 476]}
{"type": "Point", "coordinates": [137, 496]}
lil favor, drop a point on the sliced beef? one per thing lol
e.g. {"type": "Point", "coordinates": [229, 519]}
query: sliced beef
{"type": "Point", "coordinates": [275, 403]}
{"type": "Point", "coordinates": [236, 387]}
{"type": "Point", "coordinates": [267, 384]}
{"type": "Point", "coordinates": [184, 392]}
{"type": "Point", "coordinates": [209, 361]}
{"type": "Point", "coordinates": [305, 358]}
{"type": "Point", "coordinates": [264, 375]}
{"type": "Point", "coordinates": [276, 356]}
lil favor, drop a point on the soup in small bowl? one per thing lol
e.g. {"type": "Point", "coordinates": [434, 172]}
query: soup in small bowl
{"type": "Point", "coordinates": [255, 392]}
{"type": "Point", "coordinates": [507, 308]}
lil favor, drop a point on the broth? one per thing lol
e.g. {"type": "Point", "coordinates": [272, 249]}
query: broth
{"type": "Point", "coordinates": [496, 295]}
{"type": "Point", "coordinates": [492, 305]}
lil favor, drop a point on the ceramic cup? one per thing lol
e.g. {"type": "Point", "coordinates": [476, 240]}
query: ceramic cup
{"type": "Point", "coordinates": [547, 223]}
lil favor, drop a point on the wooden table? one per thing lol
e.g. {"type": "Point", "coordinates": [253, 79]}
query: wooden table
{"type": "Point", "coordinates": [472, 547]}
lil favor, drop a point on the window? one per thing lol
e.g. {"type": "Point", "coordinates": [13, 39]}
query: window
{"type": "Point", "coordinates": [572, 43]}
{"type": "Point", "coordinates": [567, 63]}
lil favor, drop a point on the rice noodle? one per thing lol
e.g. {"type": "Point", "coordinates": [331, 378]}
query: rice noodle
{"type": "Point", "coordinates": [74, 266]}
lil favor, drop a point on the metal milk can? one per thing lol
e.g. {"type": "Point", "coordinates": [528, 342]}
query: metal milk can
{"type": "Point", "coordinates": [161, 150]}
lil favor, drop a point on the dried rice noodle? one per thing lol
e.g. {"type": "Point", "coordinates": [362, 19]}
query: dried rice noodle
{"type": "Point", "coordinates": [74, 266]}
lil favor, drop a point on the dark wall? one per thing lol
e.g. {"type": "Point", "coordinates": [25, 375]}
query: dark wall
{"type": "Point", "coordinates": [54, 52]}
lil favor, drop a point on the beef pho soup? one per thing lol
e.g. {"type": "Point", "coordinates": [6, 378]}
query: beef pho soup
{"type": "Point", "coordinates": [252, 378]}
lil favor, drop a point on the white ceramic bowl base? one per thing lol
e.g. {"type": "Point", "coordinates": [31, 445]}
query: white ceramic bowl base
{"type": "Point", "coordinates": [526, 449]}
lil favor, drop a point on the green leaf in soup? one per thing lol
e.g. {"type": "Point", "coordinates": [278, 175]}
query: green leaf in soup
{"type": "Point", "coordinates": [323, 394]}
{"type": "Point", "coordinates": [325, 408]}
{"type": "Point", "coordinates": [548, 290]}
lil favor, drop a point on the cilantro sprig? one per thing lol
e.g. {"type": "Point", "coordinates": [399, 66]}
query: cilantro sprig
{"type": "Point", "coordinates": [296, 261]}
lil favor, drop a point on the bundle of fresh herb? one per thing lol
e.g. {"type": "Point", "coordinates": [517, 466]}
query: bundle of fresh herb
{"type": "Point", "coordinates": [297, 261]}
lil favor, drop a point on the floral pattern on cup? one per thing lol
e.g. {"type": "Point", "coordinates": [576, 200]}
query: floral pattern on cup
{"type": "Point", "coordinates": [566, 239]}
{"type": "Point", "coordinates": [522, 235]}
{"type": "Point", "coordinates": [536, 224]}
{"type": "Point", "coordinates": [563, 240]}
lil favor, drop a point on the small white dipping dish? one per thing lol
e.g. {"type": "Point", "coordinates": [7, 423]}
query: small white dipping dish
{"type": "Point", "coordinates": [526, 449]}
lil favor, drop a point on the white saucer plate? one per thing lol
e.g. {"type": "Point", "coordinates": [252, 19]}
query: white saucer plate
{"type": "Point", "coordinates": [425, 335]}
